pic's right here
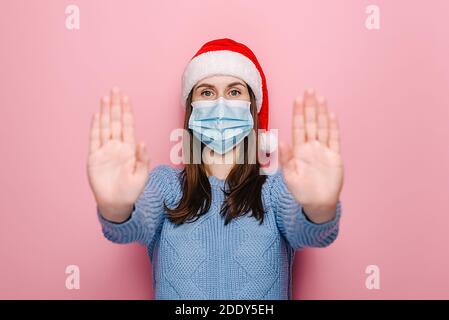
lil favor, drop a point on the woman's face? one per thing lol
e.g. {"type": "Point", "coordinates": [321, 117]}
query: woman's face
{"type": "Point", "coordinates": [214, 87]}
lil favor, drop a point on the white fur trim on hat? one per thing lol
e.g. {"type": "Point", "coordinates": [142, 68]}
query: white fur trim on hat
{"type": "Point", "coordinates": [268, 141]}
{"type": "Point", "coordinates": [221, 62]}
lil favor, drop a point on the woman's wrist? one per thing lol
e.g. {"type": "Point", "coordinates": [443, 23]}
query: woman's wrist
{"type": "Point", "coordinates": [320, 213]}
{"type": "Point", "coordinates": [116, 213]}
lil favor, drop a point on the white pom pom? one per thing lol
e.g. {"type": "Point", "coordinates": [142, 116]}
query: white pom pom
{"type": "Point", "coordinates": [268, 142]}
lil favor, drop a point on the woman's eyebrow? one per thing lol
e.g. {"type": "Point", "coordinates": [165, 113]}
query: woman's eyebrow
{"type": "Point", "coordinates": [204, 85]}
{"type": "Point", "coordinates": [207, 85]}
{"type": "Point", "coordinates": [235, 84]}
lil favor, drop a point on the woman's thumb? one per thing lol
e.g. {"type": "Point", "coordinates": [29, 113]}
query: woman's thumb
{"type": "Point", "coordinates": [284, 153]}
{"type": "Point", "coordinates": [143, 158]}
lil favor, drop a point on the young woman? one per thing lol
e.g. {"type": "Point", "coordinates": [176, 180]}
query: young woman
{"type": "Point", "coordinates": [219, 229]}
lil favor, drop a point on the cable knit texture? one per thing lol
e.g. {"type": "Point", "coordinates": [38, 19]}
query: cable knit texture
{"type": "Point", "coordinates": [206, 259]}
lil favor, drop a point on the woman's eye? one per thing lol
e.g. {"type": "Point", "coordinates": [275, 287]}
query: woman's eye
{"type": "Point", "coordinates": [202, 93]}
{"type": "Point", "coordinates": [234, 95]}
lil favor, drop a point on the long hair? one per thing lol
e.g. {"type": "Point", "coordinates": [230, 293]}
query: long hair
{"type": "Point", "coordinates": [244, 192]}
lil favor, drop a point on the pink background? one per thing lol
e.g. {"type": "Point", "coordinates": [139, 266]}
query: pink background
{"type": "Point", "coordinates": [389, 88]}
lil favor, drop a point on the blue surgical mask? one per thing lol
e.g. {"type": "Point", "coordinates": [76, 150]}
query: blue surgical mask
{"type": "Point", "coordinates": [221, 124]}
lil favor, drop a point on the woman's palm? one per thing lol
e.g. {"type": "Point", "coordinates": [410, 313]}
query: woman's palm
{"type": "Point", "coordinates": [117, 169]}
{"type": "Point", "coordinates": [313, 167]}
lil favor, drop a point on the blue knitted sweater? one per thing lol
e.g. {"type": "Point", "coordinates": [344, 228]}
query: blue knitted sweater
{"type": "Point", "coordinates": [206, 259]}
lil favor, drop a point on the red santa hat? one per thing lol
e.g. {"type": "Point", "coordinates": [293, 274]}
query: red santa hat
{"type": "Point", "coordinates": [228, 57]}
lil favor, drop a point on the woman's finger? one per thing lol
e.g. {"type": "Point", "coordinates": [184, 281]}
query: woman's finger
{"type": "Point", "coordinates": [298, 129]}
{"type": "Point", "coordinates": [310, 106]}
{"type": "Point", "coordinates": [105, 120]}
{"type": "Point", "coordinates": [323, 121]}
{"type": "Point", "coordinates": [116, 114]}
{"type": "Point", "coordinates": [334, 133]}
{"type": "Point", "coordinates": [285, 153]}
{"type": "Point", "coordinates": [128, 122]}
{"type": "Point", "coordinates": [94, 137]}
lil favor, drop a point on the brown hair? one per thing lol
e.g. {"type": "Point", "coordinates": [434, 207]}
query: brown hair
{"type": "Point", "coordinates": [244, 192]}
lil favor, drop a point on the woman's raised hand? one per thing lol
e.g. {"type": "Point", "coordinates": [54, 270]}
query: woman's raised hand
{"type": "Point", "coordinates": [313, 167]}
{"type": "Point", "coordinates": [117, 168]}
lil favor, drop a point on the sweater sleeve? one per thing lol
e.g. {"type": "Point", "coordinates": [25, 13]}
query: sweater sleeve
{"type": "Point", "coordinates": [293, 223]}
{"type": "Point", "coordinates": [148, 211]}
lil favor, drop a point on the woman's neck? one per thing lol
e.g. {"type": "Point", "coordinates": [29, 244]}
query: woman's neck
{"type": "Point", "coordinates": [219, 165]}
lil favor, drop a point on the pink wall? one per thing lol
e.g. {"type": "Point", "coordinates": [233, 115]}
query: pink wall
{"type": "Point", "coordinates": [389, 88]}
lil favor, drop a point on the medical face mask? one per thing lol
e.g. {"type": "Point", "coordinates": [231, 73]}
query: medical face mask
{"type": "Point", "coordinates": [221, 124]}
